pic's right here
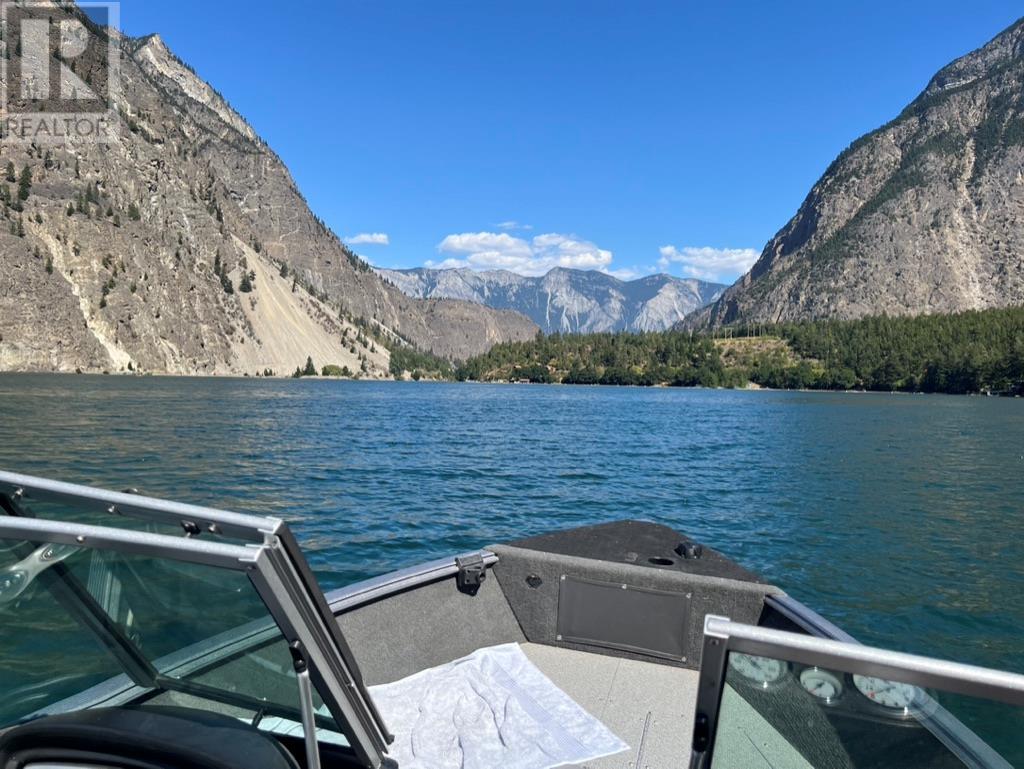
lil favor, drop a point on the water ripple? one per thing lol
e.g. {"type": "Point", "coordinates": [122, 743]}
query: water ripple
{"type": "Point", "coordinates": [902, 518]}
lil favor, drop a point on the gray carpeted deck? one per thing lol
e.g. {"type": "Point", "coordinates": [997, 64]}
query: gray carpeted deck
{"type": "Point", "coordinates": [648, 706]}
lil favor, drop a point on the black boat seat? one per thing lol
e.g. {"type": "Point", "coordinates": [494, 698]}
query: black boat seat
{"type": "Point", "coordinates": [142, 738]}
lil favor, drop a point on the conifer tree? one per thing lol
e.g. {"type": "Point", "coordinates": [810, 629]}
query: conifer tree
{"type": "Point", "coordinates": [25, 183]}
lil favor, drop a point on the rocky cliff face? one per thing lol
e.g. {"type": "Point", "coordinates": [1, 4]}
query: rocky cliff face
{"type": "Point", "coordinates": [567, 301]}
{"type": "Point", "coordinates": [122, 255]}
{"type": "Point", "coordinates": [924, 215]}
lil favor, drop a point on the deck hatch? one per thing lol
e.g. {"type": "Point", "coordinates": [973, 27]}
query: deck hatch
{"type": "Point", "coordinates": [614, 615]}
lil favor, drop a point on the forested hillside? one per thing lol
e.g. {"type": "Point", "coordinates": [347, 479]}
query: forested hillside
{"type": "Point", "coordinates": [962, 353]}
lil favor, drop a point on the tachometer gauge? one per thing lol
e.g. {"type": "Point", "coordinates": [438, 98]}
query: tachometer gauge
{"type": "Point", "coordinates": [761, 671]}
{"type": "Point", "coordinates": [821, 684]}
{"type": "Point", "coordinates": [891, 695]}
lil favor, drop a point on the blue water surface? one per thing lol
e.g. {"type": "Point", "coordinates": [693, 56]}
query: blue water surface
{"type": "Point", "coordinates": [899, 517]}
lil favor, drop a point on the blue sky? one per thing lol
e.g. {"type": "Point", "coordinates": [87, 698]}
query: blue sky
{"type": "Point", "coordinates": [631, 137]}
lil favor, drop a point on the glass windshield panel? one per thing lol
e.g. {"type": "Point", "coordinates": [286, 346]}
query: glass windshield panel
{"type": "Point", "coordinates": [44, 655]}
{"type": "Point", "coordinates": [203, 632]}
{"type": "Point", "coordinates": [776, 713]}
{"type": "Point", "coordinates": [96, 514]}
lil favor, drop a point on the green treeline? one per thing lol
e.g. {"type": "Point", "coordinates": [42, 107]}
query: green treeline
{"type": "Point", "coordinates": [963, 353]}
{"type": "Point", "coordinates": [419, 364]}
{"type": "Point", "coordinates": [608, 359]}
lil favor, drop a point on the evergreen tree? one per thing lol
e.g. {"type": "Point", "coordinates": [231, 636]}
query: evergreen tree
{"type": "Point", "coordinates": [25, 183]}
{"type": "Point", "coordinates": [245, 284]}
{"type": "Point", "coordinates": [11, 174]}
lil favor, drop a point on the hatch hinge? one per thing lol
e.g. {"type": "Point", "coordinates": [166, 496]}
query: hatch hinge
{"type": "Point", "coordinates": [472, 573]}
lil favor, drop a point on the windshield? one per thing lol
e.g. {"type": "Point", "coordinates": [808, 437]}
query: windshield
{"type": "Point", "coordinates": [776, 712]}
{"type": "Point", "coordinates": [83, 627]}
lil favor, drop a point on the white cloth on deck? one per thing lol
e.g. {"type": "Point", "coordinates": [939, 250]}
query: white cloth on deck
{"type": "Point", "coordinates": [491, 709]}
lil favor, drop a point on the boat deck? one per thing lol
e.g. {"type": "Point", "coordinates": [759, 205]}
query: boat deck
{"type": "Point", "coordinates": [648, 706]}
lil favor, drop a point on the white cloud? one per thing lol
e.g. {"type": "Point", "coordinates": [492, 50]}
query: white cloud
{"type": "Point", "coordinates": [536, 256]}
{"type": "Point", "coordinates": [370, 239]}
{"type": "Point", "coordinates": [512, 224]}
{"type": "Point", "coordinates": [719, 265]}
{"type": "Point", "coordinates": [629, 273]}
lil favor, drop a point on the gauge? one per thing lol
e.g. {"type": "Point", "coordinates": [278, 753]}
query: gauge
{"type": "Point", "coordinates": [888, 694]}
{"type": "Point", "coordinates": [762, 671]}
{"type": "Point", "coordinates": [822, 684]}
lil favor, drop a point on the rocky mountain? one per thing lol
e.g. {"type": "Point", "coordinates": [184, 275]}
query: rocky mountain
{"type": "Point", "coordinates": [924, 215]}
{"type": "Point", "coordinates": [566, 301]}
{"type": "Point", "coordinates": [184, 246]}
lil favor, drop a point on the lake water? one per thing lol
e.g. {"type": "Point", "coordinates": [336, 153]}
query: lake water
{"type": "Point", "coordinates": [899, 517]}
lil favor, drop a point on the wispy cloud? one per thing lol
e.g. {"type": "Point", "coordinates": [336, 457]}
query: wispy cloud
{"type": "Point", "coordinates": [370, 239]}
{"type": "Point", "coordinates": [535, 256]}
{"type": "Point", "coordinates": [513, 225]}
{"type": "Point", "coordinates": [629, 273]}
{"type": "Point", "coordinates": [719, 265]}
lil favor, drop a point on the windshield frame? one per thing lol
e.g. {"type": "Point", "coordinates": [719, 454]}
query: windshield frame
{"type": "Point", "coordinates": [248, 528]}
{"type": "Point", "coordinates": [723, 637]}
{"type": "Point", "coordinates": [271, 560]}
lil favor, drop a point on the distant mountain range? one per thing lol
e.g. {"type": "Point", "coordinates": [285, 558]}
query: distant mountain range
{"type": "Point", "coordinates": [924, 215]}
{"type": "Point", "coordinates": [564, 300]}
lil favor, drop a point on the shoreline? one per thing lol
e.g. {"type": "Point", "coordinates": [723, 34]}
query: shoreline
{"type": "Point", "coordinates": [425, 381]}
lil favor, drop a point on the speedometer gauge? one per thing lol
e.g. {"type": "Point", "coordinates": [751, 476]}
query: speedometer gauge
{"type": "Point", "coordinates": [821, 684]}
{"type": "Point", "coordinates": [761, 671]}
{"type": "Point", "coordinates": [889, 694]}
